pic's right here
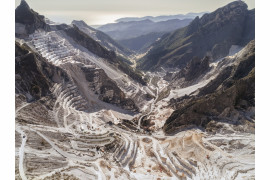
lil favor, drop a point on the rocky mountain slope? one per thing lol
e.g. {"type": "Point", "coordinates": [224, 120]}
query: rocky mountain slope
{"type": "Point", "coordinates": [230, 97]}
{"type": "Point", "coordinates": [35, 78]}
{"type": "Point", "coordinates": [90, 44]}
{"type": "Point", "coordinates": [27, 20]}
{"type": "Point", "coordinates": [76, 34]}
{"type": "Point", "coordinates": [83, 113]}
{"type": "Point", "coordinates": [132, 29]}
{"type": "Point", "coordinates": [105, 40]}
{"type": "Point", "coordinates": [211, 35]}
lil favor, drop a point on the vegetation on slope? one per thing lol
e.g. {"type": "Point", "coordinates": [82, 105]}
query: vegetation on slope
{"type": "Point", "coordinates": [211, 35]}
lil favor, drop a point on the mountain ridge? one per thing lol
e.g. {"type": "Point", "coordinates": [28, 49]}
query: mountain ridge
{"type": "Point", "coordinates": [232, 94]}
{"type": "Point", "coordinates": [83, 113]}
{"type": "Point", "coordinates": [126, 30]}
{"type": "Point", "coordinates": [29, 18]}
{"type": "Point", "coordinates": [213, 34]}
{"type": "Point", "coordinates": [162, 17]}
{"type": "Point", "coordinates": [102, 38]}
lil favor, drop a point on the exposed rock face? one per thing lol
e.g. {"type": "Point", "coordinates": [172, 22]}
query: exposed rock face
{"type": "Point", "coordinates": [46, 65]}
{"type": "Point", "coordinates": [244, 64]}
{"type": "Point", "coordinates": [65, 130]}
{"type": "Point", "coordinates": [89, 43]}
{"type": "Point", "coordinates": [213, 34]}
{"type": "Point", "coordinates": [194, 69]}
{"type": "Point", "coordinates": [30, 19]}
{"type": "Point", "coordinates": [249, 29]}
{"type": "Point", "coordinates": [94, 47]}
{"type": "Point", "coordinates": [230, 97]}
{"type": "Point", "coordinates": [34, 76]}
{"type": "Point", "coordinates": [107, 89]}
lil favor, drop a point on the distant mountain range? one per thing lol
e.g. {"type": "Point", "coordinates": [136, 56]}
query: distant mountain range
{"type": "Point", "coordinates": [211, 35]}
{"type": "Point", "coordinates": [139, 35]}
{"type": "Point", "coordinates": [83, 112]}
{"type": "Point", "coordinates": [162, 18]}
{"type": "Point", "coordinates": [132, 29]}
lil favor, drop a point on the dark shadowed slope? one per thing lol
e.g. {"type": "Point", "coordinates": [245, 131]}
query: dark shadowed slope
{"type": "Point", "coordinates": [141, 43]}
{"type": "Point", "coordinates": [27, 20]}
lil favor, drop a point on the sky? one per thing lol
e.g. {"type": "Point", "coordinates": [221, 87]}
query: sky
{"type": "Point", "coordinates": [97, 12]}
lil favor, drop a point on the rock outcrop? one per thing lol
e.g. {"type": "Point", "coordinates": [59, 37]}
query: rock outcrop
{"type": "Point", "coordinates": [230, 97]}
{"type": "Point", "coordinates": [76, 112]}
{"type": "Point", "coordinates": [195, 68]}
{"type": "Point", "coordinates": [84, 40]}
{"type": "Point", "coordinates": [34, 75]}
{"type": "Point", "coordinates": [28, 19]}
{"type": "Point", "coordinates": [107, 90]}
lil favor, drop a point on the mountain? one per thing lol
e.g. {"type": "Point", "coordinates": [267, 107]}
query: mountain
{"type": "Point", "coordinates": [211, 35]}
{"type": "Point", "coordinates": [25, 14]}
{"type": "Point", "coordinates": [27, 20]}
{"type": "Point", "coordinates": [194, 69]}
{"type": "Point", "coordinates": [71, 50]}
{"type": "Point", "coordinates": [105, 40]}
{"type": "Point", "coordinates": [230, 97]}
{"type": "Point", "coordinates": [132, 29]}
{"type": "Point", "coordinates": [35, 78]}
{"type": "Point", "coordinates": [81, 112]}
{"type": "Point", "coordinates": [162, 18]}
{"type": "Point", "coordinates": [118, 62]}
{"type": "Point", "coordinates": [141, 43]}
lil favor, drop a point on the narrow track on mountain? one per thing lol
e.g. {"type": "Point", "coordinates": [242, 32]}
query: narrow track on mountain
{"type": "Point", "coordinates": [21, 154]}
{"type": "Point", "coordinates": [181, 108]}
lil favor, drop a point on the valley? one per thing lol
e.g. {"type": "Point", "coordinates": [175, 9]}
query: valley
{"type": "Point", "coordinates": [84, 110]}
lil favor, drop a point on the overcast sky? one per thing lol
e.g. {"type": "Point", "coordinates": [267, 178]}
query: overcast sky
{"type": "Point", "coordinates": [95, 12]}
